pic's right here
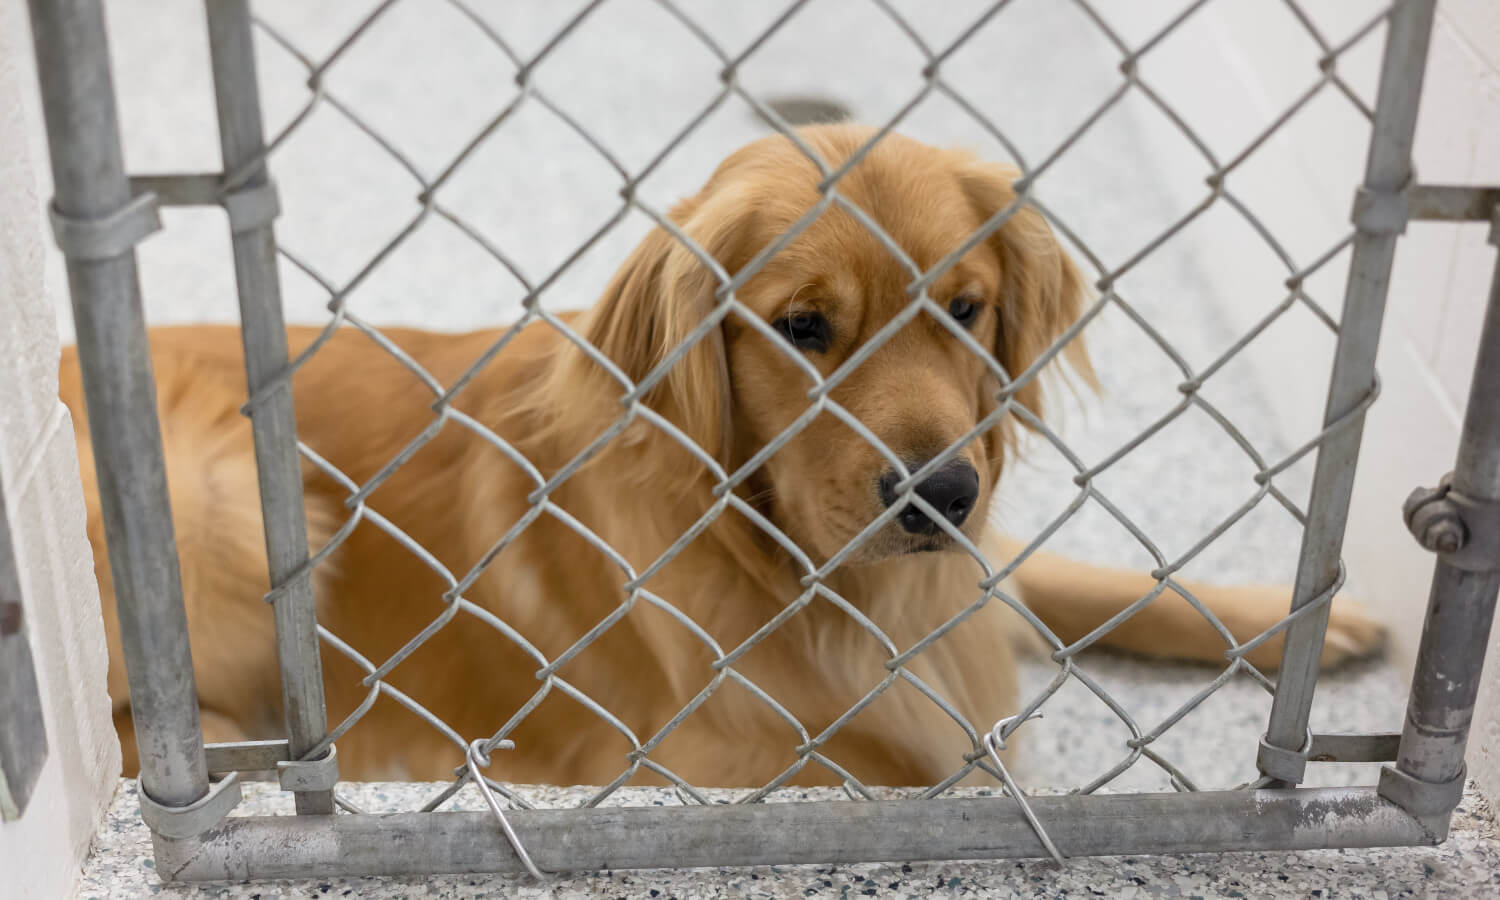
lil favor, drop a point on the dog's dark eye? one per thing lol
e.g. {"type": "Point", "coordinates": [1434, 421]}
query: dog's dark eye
{"type": "Point", "coordinates": [806, 330]}
{"type": "Point", "coordinates": [964, 310]}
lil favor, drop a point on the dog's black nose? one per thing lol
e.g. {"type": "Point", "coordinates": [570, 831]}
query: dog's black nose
{"type": "Point", "coordinates": [952, 490]}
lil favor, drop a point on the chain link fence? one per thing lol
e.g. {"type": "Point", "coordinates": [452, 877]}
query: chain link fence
{"type": "Point", "coordinates": [430, 202]}
{"type": "Point", "coordinates": [942, 819]}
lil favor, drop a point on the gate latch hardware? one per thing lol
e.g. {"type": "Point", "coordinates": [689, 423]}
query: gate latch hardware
{"type": "Point", "coordinates": [319, 774]}
{"type": "Point", "coordinates": [1422, 798]}
{"type": "Point", "coordinates": [183, 822]}
{"type": "Point", "coordinates": [1463, 530]}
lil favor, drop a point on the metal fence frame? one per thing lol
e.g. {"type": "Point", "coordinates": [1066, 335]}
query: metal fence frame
{"type": "Point", "coordinates": [99, 213]}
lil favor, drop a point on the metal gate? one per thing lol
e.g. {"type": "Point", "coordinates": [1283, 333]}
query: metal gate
{"type": "Point", "coordinates": [187, 790]}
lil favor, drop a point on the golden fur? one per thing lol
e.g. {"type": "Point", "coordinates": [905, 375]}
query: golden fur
{"type": "Point", "coordinates": [731, 393]}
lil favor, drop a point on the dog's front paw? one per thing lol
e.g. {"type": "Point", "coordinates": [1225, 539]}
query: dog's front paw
{"type": "Point", "coordinates": [1353, 632]}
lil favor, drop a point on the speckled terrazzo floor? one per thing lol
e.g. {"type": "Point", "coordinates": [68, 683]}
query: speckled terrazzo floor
{"type": "Point", "coordinates": [423, 79]}
{"type": "Point", "coordinates": [1467, 865]}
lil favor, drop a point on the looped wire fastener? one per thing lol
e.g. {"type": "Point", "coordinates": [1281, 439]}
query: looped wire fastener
{"type": "Point", "coordinates": [478, 759]}
{"type": "Point", "coordinates": [109, 235]}
{"type": "Point", "coordinates": [994, 742]}
{"type": "Point", "coordinates": [1284, 764]}
{"type": "Point", "coordinates": [1383, 211]}
{"type": "Point", "coordinates": [185, 822]}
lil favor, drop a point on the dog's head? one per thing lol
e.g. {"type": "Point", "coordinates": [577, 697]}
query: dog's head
{"type": "Point", "coordinates": [823, 296]}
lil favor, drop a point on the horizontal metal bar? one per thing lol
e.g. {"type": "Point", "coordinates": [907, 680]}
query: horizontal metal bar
{"type": "Point", "coordinates": [246, 756]}
{"type": "Point", "coordinates": [1452, 203]}
{"type": "Point", "coordinates": [792, 833]}
{"type": "Point", "coordinates": [196, 189]}
{"type": "Point", "coordinates": [1353, 748]}
{"type": "Point", "coordinates": [250, 206]}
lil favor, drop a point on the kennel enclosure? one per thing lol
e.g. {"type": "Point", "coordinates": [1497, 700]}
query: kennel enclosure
{"type": "Point", "coordinates": [100, 213]}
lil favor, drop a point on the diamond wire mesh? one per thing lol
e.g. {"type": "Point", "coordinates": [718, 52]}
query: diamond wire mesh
{"type": "Point", "coordinates": [1106, 280]}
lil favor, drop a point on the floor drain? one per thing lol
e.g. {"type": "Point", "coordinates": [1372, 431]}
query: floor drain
{"type": "Point", "coordinates": [809, 110]}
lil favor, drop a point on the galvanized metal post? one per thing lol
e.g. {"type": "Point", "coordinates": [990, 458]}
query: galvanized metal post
{"type": "Point", "coordinates": [1380, 218]}
{"type": "Point", "coordinates": [97, 223]}
{"type": "Point", "coordinates": [250, 202]}
{"type": "Point", "coordinates": [1429, 772]}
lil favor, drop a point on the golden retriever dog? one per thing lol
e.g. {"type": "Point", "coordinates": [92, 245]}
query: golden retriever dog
{"type": "Point", "coordinates": [797, 660]}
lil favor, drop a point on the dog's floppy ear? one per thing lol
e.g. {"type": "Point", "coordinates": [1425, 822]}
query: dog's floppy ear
{"type": "Point", "coordinates": [1042, 291]}
{"type": "Point", "coordinates": [655, 301]}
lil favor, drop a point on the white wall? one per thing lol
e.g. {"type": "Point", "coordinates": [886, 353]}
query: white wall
{"type": "Point", "coordinates": [40, 855]}
{"type": "Point", "coordinates": [1439, 286]}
